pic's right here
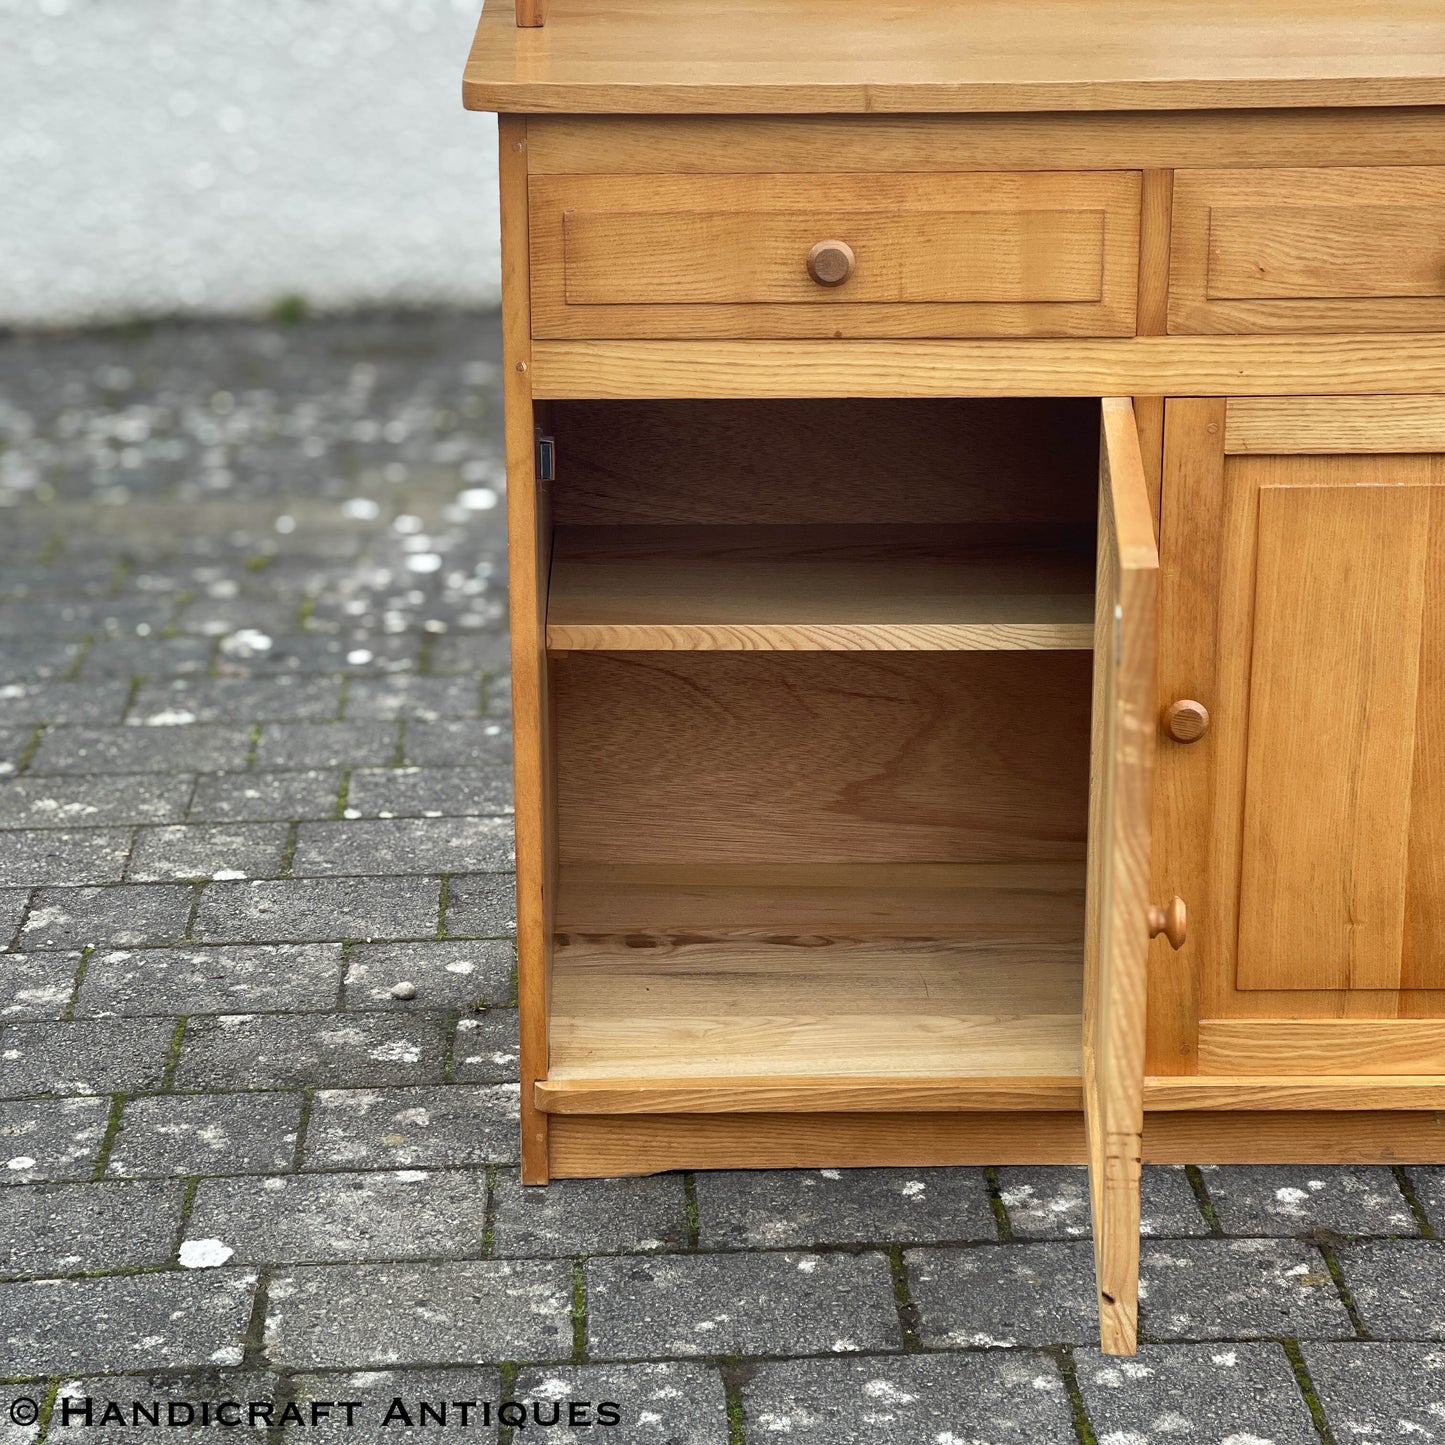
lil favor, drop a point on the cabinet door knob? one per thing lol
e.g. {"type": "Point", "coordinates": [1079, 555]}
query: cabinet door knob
{"type": "Point", "coordinates": [830, 263]}
{"type": "Point", "coordinates": [1186, 721]}
{"type": "Point", "coordinates": [1172, 921]}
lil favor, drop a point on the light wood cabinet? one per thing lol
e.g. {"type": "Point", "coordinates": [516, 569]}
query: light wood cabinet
{"type": "Point", "coordinates": [978, 612]}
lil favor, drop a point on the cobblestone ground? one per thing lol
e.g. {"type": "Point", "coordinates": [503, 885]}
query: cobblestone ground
{"type": "Point", "coordinates": [253, 738]}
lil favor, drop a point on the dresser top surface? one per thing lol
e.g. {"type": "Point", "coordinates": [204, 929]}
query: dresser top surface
{"type": "Point", "coordinates": [855, 56]}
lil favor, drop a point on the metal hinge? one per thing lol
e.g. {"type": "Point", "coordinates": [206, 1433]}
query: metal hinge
{"type": "Point", "coordinates": [546, 458]}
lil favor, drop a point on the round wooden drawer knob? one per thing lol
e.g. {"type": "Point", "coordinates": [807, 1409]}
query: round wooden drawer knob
{"type": "Point", "coordinates": [1186, 721]}
{"type": "Point", "coordinates": [1172, 921]}
{"type": "Point", "coordinates": [830, 263]}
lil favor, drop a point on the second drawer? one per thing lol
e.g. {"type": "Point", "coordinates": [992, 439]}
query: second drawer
{"type": "Point", "coordinates": [980, 254]}
{"type": "Point", "coordinates": [1351, 248]}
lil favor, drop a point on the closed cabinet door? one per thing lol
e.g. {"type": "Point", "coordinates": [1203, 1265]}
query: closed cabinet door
{"type": "Point", "coordinates": [1118, 911]}
{"type": "Point", "coordinates": [1303, 677]}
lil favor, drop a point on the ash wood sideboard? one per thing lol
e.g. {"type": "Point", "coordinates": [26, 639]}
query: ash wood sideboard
{"type": "Point", "coordinates": [976, 488]}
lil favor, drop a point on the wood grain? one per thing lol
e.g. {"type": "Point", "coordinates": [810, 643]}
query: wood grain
{"type": "Point", "coordinates": [748, 1009]}
{"type": "Point", "coordinates": [620, 1144]}
{"type": "Point", "coordinates": [1116, 936]}
{"type": "Point", "coordinates": [646, 1144]}
{"type": "Point", "coordinates": [1334, 425]}
{"type": "Point", "coordinates": [725, 1001]}
{"type": "Point", "coordinates": [1149, 419]}
{"type": "Point", "coordinates": [1212, 580]}
{"type": "Point", "coordinates": [1162, 1094]}
{"type": "Point", "coordinates": [531, 12]}
{"type": "Point", "coordinates": [1423, 963]}
{"type": "Point", "coordinates": [899, 588]}
{"type": "Point", "coordinates": [1029, 254]}
{"type": "Point", "coordinates": [810, 1096]}
{"type": "Point", "coordinates": [740, 242]}
{"type": "Point", "coordinates": [1340, 567]}
{"type": "Point", "coordinates": [814, 56]}
{"type": "Point", "coordinates": [1322, 1046]}
{"type": "Point", "coordinates": [528, 549]}
{"type": "Point", "coordinates": [952, 462]}
{"type": "Point", "coordinates": [1173, 366]}
{"type": "Point", "coordinates": [822, 757]}
{"type": "Point", "coordinates": [1296, 1137]}
{"type": "Point", "coordinates": [1185, 720]}
{"type": "Point", "coordinates": [990, 903]}
{"type": "Point", "coordinates": [1155, 209]}
{"type": "Point", "coordinates": [1252, 1094]}
{"type": "Point", "coordinates": [1184, 775]}
{"type": "Point", "coordinates": [1159, 141]}
{"type": "Point", "coordinates": [1305, 249]}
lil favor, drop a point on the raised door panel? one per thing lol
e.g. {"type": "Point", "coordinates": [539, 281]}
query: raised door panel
{"type": "Point", "coordinates": [1342, 816]}
{"type": "Point", "coordinates": [1120, 801]}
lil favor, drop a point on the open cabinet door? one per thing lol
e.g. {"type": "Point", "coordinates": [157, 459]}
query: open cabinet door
{"type": "Point", "coordinates": [1117, 939]}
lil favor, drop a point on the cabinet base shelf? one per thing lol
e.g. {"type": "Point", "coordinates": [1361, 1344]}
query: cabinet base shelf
{"type": "Point", "coordinates": [810, 986]}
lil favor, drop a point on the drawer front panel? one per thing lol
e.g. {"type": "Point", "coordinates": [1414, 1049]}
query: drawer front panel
{"type": "Point", "coordinates": [727, 256]}
{"type": "Point", "coordinates": [1351, 249]}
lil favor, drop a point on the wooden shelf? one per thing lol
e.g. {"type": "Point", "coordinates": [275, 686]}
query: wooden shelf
{"type": "Point", "coordinates": [820, 589]}
{"type": "Point", "coordinates": [701, 989]}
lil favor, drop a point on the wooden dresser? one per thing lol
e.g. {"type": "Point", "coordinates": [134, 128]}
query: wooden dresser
{"type": "Point", "coordinates": [976, 478]}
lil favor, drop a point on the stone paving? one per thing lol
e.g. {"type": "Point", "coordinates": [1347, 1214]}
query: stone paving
{"type": "Point", "coordinates": [253, 775]}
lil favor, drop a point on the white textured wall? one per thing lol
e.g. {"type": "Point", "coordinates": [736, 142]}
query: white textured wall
{"type": "Point", "coordinates": [211, 156]}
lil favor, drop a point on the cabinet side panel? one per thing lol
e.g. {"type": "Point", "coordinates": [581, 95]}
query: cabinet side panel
{"type": "Point", "coordinates": [529, 542]}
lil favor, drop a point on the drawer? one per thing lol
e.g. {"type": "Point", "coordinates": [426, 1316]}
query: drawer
{"type": "Point", "coordinates": [990, 254]}
{"type": "Point", "coordinates": [1350, 249]}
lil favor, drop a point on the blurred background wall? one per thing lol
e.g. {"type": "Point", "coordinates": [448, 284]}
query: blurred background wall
{"type": "Point", "coordinates": [239, 157]}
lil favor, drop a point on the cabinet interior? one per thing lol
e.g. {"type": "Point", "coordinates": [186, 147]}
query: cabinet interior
{"type": "Point", "coordinates": [820, 677]}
